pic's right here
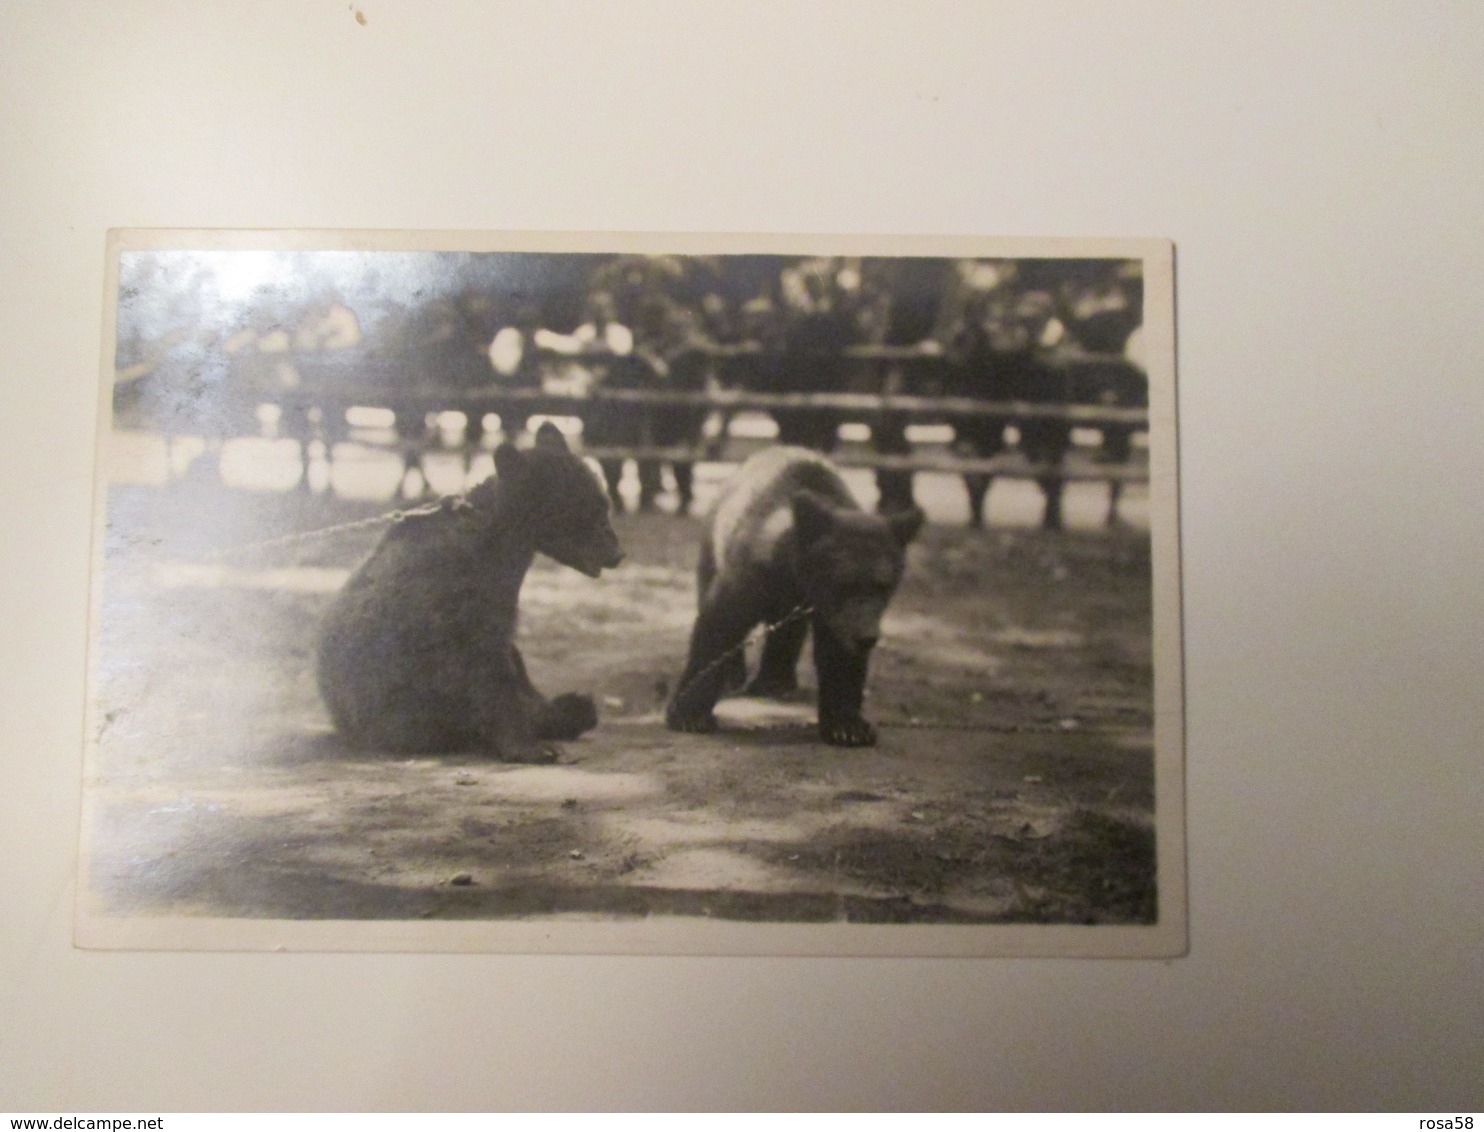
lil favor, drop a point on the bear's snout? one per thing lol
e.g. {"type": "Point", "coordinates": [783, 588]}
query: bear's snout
{"type": "Point", "coordinates": [856, 624]}
{"type": "Point", "coordinates": [594, 564]}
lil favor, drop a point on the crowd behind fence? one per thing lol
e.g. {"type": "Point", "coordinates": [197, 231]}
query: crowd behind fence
{"type": "Point", "coordinates": [1020, 396]}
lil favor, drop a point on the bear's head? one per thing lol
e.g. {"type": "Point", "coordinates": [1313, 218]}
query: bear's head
{"type": "Point", "coordinates": [848, 564]}
{"type": "Point", "coordinates": [558, 499]}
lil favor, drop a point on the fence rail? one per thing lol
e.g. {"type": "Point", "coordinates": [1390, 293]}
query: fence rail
{"type": "Point", "coordinates": [1012, 466]}
{"type": "Point", "coordinates": [724, 400]}
{"type": "Point", "coordinates": [332, 393]}
{"type": "Point", "coordinates": [861, 406]}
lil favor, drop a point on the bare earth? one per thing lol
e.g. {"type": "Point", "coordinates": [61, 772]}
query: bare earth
{"type": "Point", "coordinates": [1013, 780]}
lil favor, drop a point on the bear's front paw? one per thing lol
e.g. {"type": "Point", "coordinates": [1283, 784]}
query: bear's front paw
{"type": "Point", "coordinates": [696, 723]}
{"type": "Point", "coordinates": [567, 716]}
{"type": "Point", "coordinates": [847, 732]}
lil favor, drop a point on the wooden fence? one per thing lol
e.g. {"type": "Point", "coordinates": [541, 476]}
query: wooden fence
{"type": "Point", "coordinates": [330, 386]}
{"type": "Point", "coordinates": [854, 407]}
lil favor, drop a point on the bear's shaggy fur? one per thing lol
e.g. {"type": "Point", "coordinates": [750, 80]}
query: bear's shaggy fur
{"type": "Point", "coordinates": [418, 650]}
{"type": "Point", "coordinates": [786, 533]}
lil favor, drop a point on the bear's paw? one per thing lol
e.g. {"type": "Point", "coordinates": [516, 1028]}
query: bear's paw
{"type": "Point", "coordinates": [694, 723]}
{"type": "Point", "coordinates": [567, 716]}
{"type": "Point", "coordinates": [847, 732]}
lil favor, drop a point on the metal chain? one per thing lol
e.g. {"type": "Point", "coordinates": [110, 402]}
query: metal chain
{"type": "Point", "coordinates": [799, 611]}
{"type": "Point", "coordinates": [794, 614]}
{"type": "Point", "coordinates": [384, 519]}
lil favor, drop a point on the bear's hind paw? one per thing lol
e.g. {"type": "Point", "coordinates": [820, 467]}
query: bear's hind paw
{"type": "Point", "coordinates": [567, 716]}
{"type": "Point", "coordinates": [703, 724]}
{"type": "Point", "coordinates": [847, 733]}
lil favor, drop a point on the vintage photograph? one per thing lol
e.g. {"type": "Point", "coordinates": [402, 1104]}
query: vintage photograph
{"type": "Point", "coordinates": [633, 593]}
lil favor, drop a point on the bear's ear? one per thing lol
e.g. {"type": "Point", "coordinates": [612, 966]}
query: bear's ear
{"type": "Point", "coordinates": [813, 516]}
{"type": "Point", "coordinates": [550, 437]}
{"type": "Point", "coordinates": [906, 524]}
{"type": "Point", "coordinates": [508, 460]}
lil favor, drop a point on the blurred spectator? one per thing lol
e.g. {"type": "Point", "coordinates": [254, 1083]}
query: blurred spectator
{"type": "Point", "coordinates": [975, 370]}
{"type": "Point", "coordinates": [325, 339]}
{"type": "Point", "coordinates": [602, 350]}
{"type": "Point", "coordinates": [816, 329]}
{"type": "Point", "coordinates": [1043, 440]}
{"type": "Point", "coordinates": [632, 282]}
{"type": "Point", "coordinates": [590, 350]}
{"type": "Point", "coordinates": [436, 346]}
{"type": "Point", "coordinates": [1002, 353]}
{"type": "Point", "coordinates": [755, 335]}
{"type": "Point", "coordinates": [895, 304]}
{"type": "Point", "coordinates": [675, 350]}
{"type": "Point", "coordinates": [1103, 314]}
{"type": "Point", "coordinates": [328, 325]}
{"type": "Point", "coordinates": [716, 319]}
{"type": "Point", "coordinates": [515, 359]}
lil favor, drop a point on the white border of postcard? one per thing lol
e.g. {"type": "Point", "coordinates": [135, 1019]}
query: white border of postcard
{"type": "Point", "coordinates": [679, 936]}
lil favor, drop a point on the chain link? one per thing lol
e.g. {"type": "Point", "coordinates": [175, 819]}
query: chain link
{"type": "Point", "coordinates": [385, 519]}
{"type": "Point", "coordinates": [794, 614]}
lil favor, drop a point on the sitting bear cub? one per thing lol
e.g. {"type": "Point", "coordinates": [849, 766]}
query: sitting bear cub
{"type": "Point", "coordinates": [787, 533]}
{"type": "Point", "coordinates": [418, 651]}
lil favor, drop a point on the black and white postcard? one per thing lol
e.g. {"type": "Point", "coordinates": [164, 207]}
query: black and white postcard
{"type": "Point", "coordinates": [638, 594]}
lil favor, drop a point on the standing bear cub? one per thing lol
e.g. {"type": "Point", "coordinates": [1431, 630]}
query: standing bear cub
{"type": "Point", "coordinates": [787, 535]}
{"type": "Point", "coordinates": [418, 652]}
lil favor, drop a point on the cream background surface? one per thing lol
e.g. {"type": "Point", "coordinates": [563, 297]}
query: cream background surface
{"type": "Point", "coordinates": [1319, 168]}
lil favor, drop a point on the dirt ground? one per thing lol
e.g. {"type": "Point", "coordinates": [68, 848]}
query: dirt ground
{"type": "Point", "coordinates": [1013, 780]}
